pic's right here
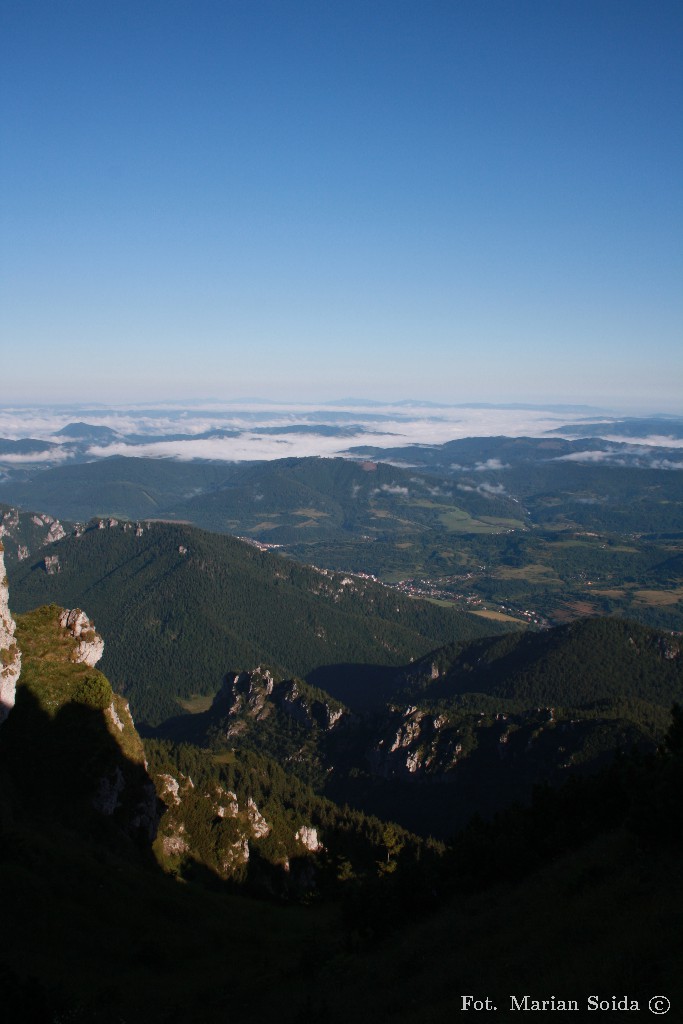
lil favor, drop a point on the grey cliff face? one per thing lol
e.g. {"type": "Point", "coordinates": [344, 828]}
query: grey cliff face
{"type": "Point", "coordinates": [10, 655]}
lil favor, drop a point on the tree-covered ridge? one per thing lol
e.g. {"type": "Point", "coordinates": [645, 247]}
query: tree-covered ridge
{"type": "Point", "coordinates": [287, 720]}
{"type": "Point", "coordinates": [284, 500]}
{"type": "Point", "coordinates": [570, 665]}
{"type": "Point", "coordinates": [117, 486]}
{"type": "Point", "coordinates": [178, 606]}
{"type": "Point", "coordinates": [474, 727]}
{"type": "Point", "coordinates": [292, 501]}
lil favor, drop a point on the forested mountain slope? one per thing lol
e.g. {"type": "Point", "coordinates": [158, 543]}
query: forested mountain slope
{"type": "Point", "coordinates": [179, 607]}
{"type": "Point", "coordinates": [586, 660]}
{"type": "Point", "coordinates": [536, 529]}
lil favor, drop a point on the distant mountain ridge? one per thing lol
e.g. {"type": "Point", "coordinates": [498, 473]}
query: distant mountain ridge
{"type": "Point", "coordinates": [87, 432]}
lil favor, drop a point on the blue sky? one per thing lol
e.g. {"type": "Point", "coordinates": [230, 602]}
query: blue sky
{"type": "Point", "coordinates": [464, 201]}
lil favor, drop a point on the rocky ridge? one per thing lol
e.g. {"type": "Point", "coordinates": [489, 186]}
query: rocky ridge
{"type": "Point", "coordinates": [26, 532]}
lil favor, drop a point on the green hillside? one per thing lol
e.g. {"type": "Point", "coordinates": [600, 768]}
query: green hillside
{"type": "Point", "coordinates": [179, 607]}
{"type": "Point", "coordinates": [587, 660]}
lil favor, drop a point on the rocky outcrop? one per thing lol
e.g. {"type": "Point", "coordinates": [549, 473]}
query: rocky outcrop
{"type": "Point", "coordinates": [102, 524]}
{"type": "Point", "coordinates": [114, 717]}
{"type": "Point", "coordinates": [169, 788]}
{"type": "Point", "coordinates": [418, 743]}
{"type": "Point", "coordinates": [235, 855]}
{"type": "Point", "coordinates": [175, 845]}
{"type": "Point", "coordinates": [56, 532]}
{"type": "Point", "coordinates": [308, 837]}
{"type": "Point", "coordinates": [259, 825]}
{"type": "Point", "coordinates": [211, 826]}
{"type": "Point", "coordinates": [52, 566]}
{"type": "Point", "coordinates": [10, 522]}
{"type": "Point", "coordinates": [227, 805]}
{"type": "Point", "coordinates": [257, 694]}
{"type": "Point", "coordinates": [309, 711]}
{"type": "Point", "coordinates": [90, 643]}
{"type": "Point", "coordinates": [10, 655]}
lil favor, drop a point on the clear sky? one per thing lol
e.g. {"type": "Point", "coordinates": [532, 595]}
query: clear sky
{"type": "Point", "coordinates": [467, 200]}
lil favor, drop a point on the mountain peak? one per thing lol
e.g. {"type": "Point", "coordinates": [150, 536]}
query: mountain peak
{"type": "Point", "coordinates": [86, 432]}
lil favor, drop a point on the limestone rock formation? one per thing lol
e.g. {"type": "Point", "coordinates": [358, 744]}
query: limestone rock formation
{"type": "Point", "coordinates": [210, 826]}
{"type": "Point", "coordinates": [52, 565]}
{"type": "Point", "coordinates": [10, 655]}
{"type": "Point", "coordinates": [56, 532]}
{"type": "Point", "coordinates": [257, 694]}
{"type": "Point", "coordinates": [308, 837]}
{"type": "Point", "coordinates": [90, 643]}
{"type": "Point", "coordinates": [258, 823]}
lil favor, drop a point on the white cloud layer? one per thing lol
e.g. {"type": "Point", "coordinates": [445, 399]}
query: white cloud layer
{"type": "Point", "coordinates": [49, 455]}
{"type": "Point", "coordinates": [488, 490]}
{"type": "Point", "coordinates": [382, 426]}
{"type": "Point", "coordinates": [636, 458]}
{"type": "Point", "coordinates": [393, 489]}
